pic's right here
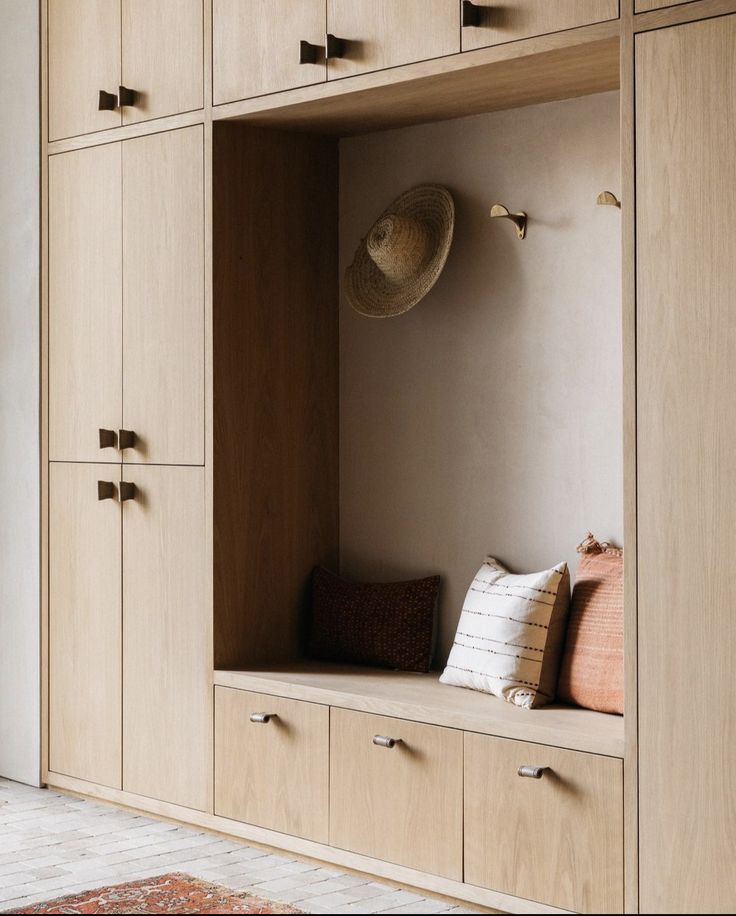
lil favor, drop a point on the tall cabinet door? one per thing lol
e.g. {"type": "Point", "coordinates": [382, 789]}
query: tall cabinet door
{"type": "Point", "coordinates": [163, 57]}
{"type": "Point", "coordinates": [85, 654]}
{"type": "Point", "coordinates": [167, 635]}
{"type": "Point", "coordinates": [686, 453]}
{"type": "Point", "coordinates": [85, 282]}
{"type": "Point", "coordinates": [83, 58]}
{"type": "Point", "coordinates": [163, 296]}
{"type": "Point", "coordinates": [377, 34]}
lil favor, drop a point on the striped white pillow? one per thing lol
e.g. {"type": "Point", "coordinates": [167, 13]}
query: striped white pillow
{"type": "Point", "coordinates": [510, 636]}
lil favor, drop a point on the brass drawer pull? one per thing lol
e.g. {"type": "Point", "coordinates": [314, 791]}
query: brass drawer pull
{"type": "Point", "coordinates": [532, 772]}
{"type": "Point", "coordinates": [262, 717]}
{"type": "Point", "coordinates": [383, 741]}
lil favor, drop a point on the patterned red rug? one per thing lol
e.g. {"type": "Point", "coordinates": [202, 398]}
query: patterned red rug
{"type": "Point", "coordinates": [174, 893]}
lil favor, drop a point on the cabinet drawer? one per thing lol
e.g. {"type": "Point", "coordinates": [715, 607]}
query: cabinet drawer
{"type": "Point", "coordinates": [556, 840]}
{"type": "Point", "coordinates": [402, 804]}
{"type": "Point", "coordinates": [273, 774]}
{"type": "Point", "coordinates": [387, 33]}
{"type": "Point", "coordinates": [510, 20]}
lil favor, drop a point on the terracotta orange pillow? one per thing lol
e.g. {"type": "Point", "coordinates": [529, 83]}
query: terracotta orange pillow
{"type": "Point", "coordinates": [592, 670]}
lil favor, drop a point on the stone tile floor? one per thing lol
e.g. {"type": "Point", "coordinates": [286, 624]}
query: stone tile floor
{"type": "Point", "coordinates": [53, 844]}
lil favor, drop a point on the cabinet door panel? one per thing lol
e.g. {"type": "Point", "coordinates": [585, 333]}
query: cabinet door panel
{"type": "Point", "coordinates": [85, 276]}
{"type": "Point", "coordinates": [256, 46]}
{"type": "Point", "coordinates": [83, 57]}
{"type": "Point", "coordinates": [557, 840]}
{"type": "Point", "coordinates": [388, 33]}
{"type": "Point", "coordinates": [85, 652]}
{"type": "Point", "coordinates": [163, 297]}
{"type": "Point", "coordinates": [167, 637]}
{"type": "Point", "coordinates": [643, 6]}
{"type": "Point", "coordinates": [686, 441]}
{"type": "Point", "coordinates": [511, 20]}
{"type": "Point", "coordinates": [163, 57]}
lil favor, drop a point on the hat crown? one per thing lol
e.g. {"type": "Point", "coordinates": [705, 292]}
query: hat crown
{"type": "Point", "coordinates": [399, 245]}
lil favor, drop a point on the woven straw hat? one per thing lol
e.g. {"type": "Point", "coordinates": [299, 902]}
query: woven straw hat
{"type": "Point", "coordinates": [401, 258]}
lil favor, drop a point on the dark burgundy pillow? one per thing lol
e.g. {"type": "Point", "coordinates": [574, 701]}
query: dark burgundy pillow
{"type": "Point", "coordinates": [388, 625]}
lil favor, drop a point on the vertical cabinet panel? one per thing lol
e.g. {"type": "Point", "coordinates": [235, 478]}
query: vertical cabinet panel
{"type": "Point", "coordinates": [85, 656]}
{"type": "Point", "coordinates": [163, 57]}
{"type": "Point", "coordinates": [163, 296]}
{"type": "Point", "coordinates": [83, 58]}
{"type": "Point", "coordinates": [167, 634]}
{"type": "Point", "coordinates": [686, 340]}
{"type": "Point", "coordinates": [387, 33]}
{"type": "Point", "coordinates": [85, 269]}
{"type": "Point", "coordinates": [511, 20]}
{"type": "Point", "coordinates": [558, 839]}
{"type": "Point", "coordinates": [256, 46]}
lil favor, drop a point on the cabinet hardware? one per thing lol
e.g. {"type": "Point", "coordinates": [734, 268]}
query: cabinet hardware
{"type": "Point", "coordinates": [308, 53]}
{"type": "Point", "coordinates": [128, 491]}
{"type": "Point", "coordinates": [127, 438]}
{"type": "Point", "coordinates": [518, 219]}
{"type": "Point", "coordinates": [532, 772]}
{"type": "Point", "coordinates": [108, 438]}
{"type": "Point", "coordinates": [128, 97]}
{"type": "Point", "coordinates": [262, 717]}
{"type": "Point", "coordinates": [107, 101]}
{"type": "Point", "coordinates": [105, 489]}
{"type": "Point", "coordinates": [608, 198]}
{"type": "Point", "coordinates": [472, 14]}
{"type": "Point", "coordinates": [335, 47]}
{"type": "Point", "coordinates": [383, 741]}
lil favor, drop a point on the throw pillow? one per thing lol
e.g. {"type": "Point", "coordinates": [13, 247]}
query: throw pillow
{"type": "Point", "coordinates": [389, 625]}
{"type": "Point", "coordinates": [510, 634]}
{"type": "Point", "coordinates": [592, 671]}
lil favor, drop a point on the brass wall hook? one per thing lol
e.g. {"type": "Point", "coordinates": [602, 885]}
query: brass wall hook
{"type": "Point", "coordinates": [608, 198]}
{"type": "Point", "coordinates": [518, 219]}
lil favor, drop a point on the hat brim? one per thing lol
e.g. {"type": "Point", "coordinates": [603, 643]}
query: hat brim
{"type": "Point", "coordinates": [369, 291]}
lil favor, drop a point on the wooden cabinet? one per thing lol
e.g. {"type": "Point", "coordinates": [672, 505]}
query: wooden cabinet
{"type": "Point", "coordinates": [167, 637]}
{"type": "Point", "coordinates": [403, 803]}
{"type": "Point", "coordinates": [557, 840]}
{"type": "Point", "coordinates": [162, 62]}
{"type": "Point", "coordinates": [85, 651]}
{"type": "Point", "coordinates": [257, 46]}
{"type": "Point", "coordinates": [85, 289]}
{"type": "Point", "coordinates": [376, 34]}
{"type": "Point", "coordinates": [643, 6]}
{"type": "Point", "coordinates": [686, 403]}
{"type": "Point", "coordinates": [274, 771]}
{"type": "Point", "coordinates": [163, 296]}
{"type": "Point", "coordinates": [486, 24]}
{"type": "Point", "coordinates": [153, 47]}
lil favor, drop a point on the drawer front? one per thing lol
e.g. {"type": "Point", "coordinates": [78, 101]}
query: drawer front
{"type": "Point", "coordinates": [378, 34]}
{"type": "Point", "coordinates": [402, 804]}
{"type": "Point", "coordinates": [273, 774]}
{"type": "Point", "coordinates": [511, 20]}
{"type": "Point", "coordinates": [557, 840]}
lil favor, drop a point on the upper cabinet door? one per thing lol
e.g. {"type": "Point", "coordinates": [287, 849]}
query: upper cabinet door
{"type": "Point", "coordinates": [84, 58]}
{"type": "Point", "coordinates": [85, 277]}
{"type": "Point", "coordinates": [163, 297]}
{"type": "Point", "coordinates": [376, 34]}
{"type": "Point", "coordinates": [493, 22]}
{"type": "Point", "coordinates": [163, 57]}
{"type": "Point", "coordinates": [262, 46]}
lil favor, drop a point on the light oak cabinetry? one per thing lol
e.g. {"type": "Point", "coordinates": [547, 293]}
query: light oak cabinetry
{"type": "Point", "coordinates": [643, 6]}
{"type": "Point", "coordinates": [557, 839]}
{"type": "Point", "coordinates": [154, 49]}
{"type": "Point", "coordinates": [85, 650]}
{"type": "Point", "coordinates": [257, 46]}
{"type": "Point", "coordinates": [167, 637]}
{"type": "Point", "coordinates": [486, 24]}
{"type": "Point", "coordinates": [376, 34]}
{"type": "Point", "coordinates": [403, 802]}
{"type": "Point", "coordinates": [85, 300]}
{"type": "Point", "coordinates": [686, 333]}
{"type": "Point", "coordinates": [264, 741]}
